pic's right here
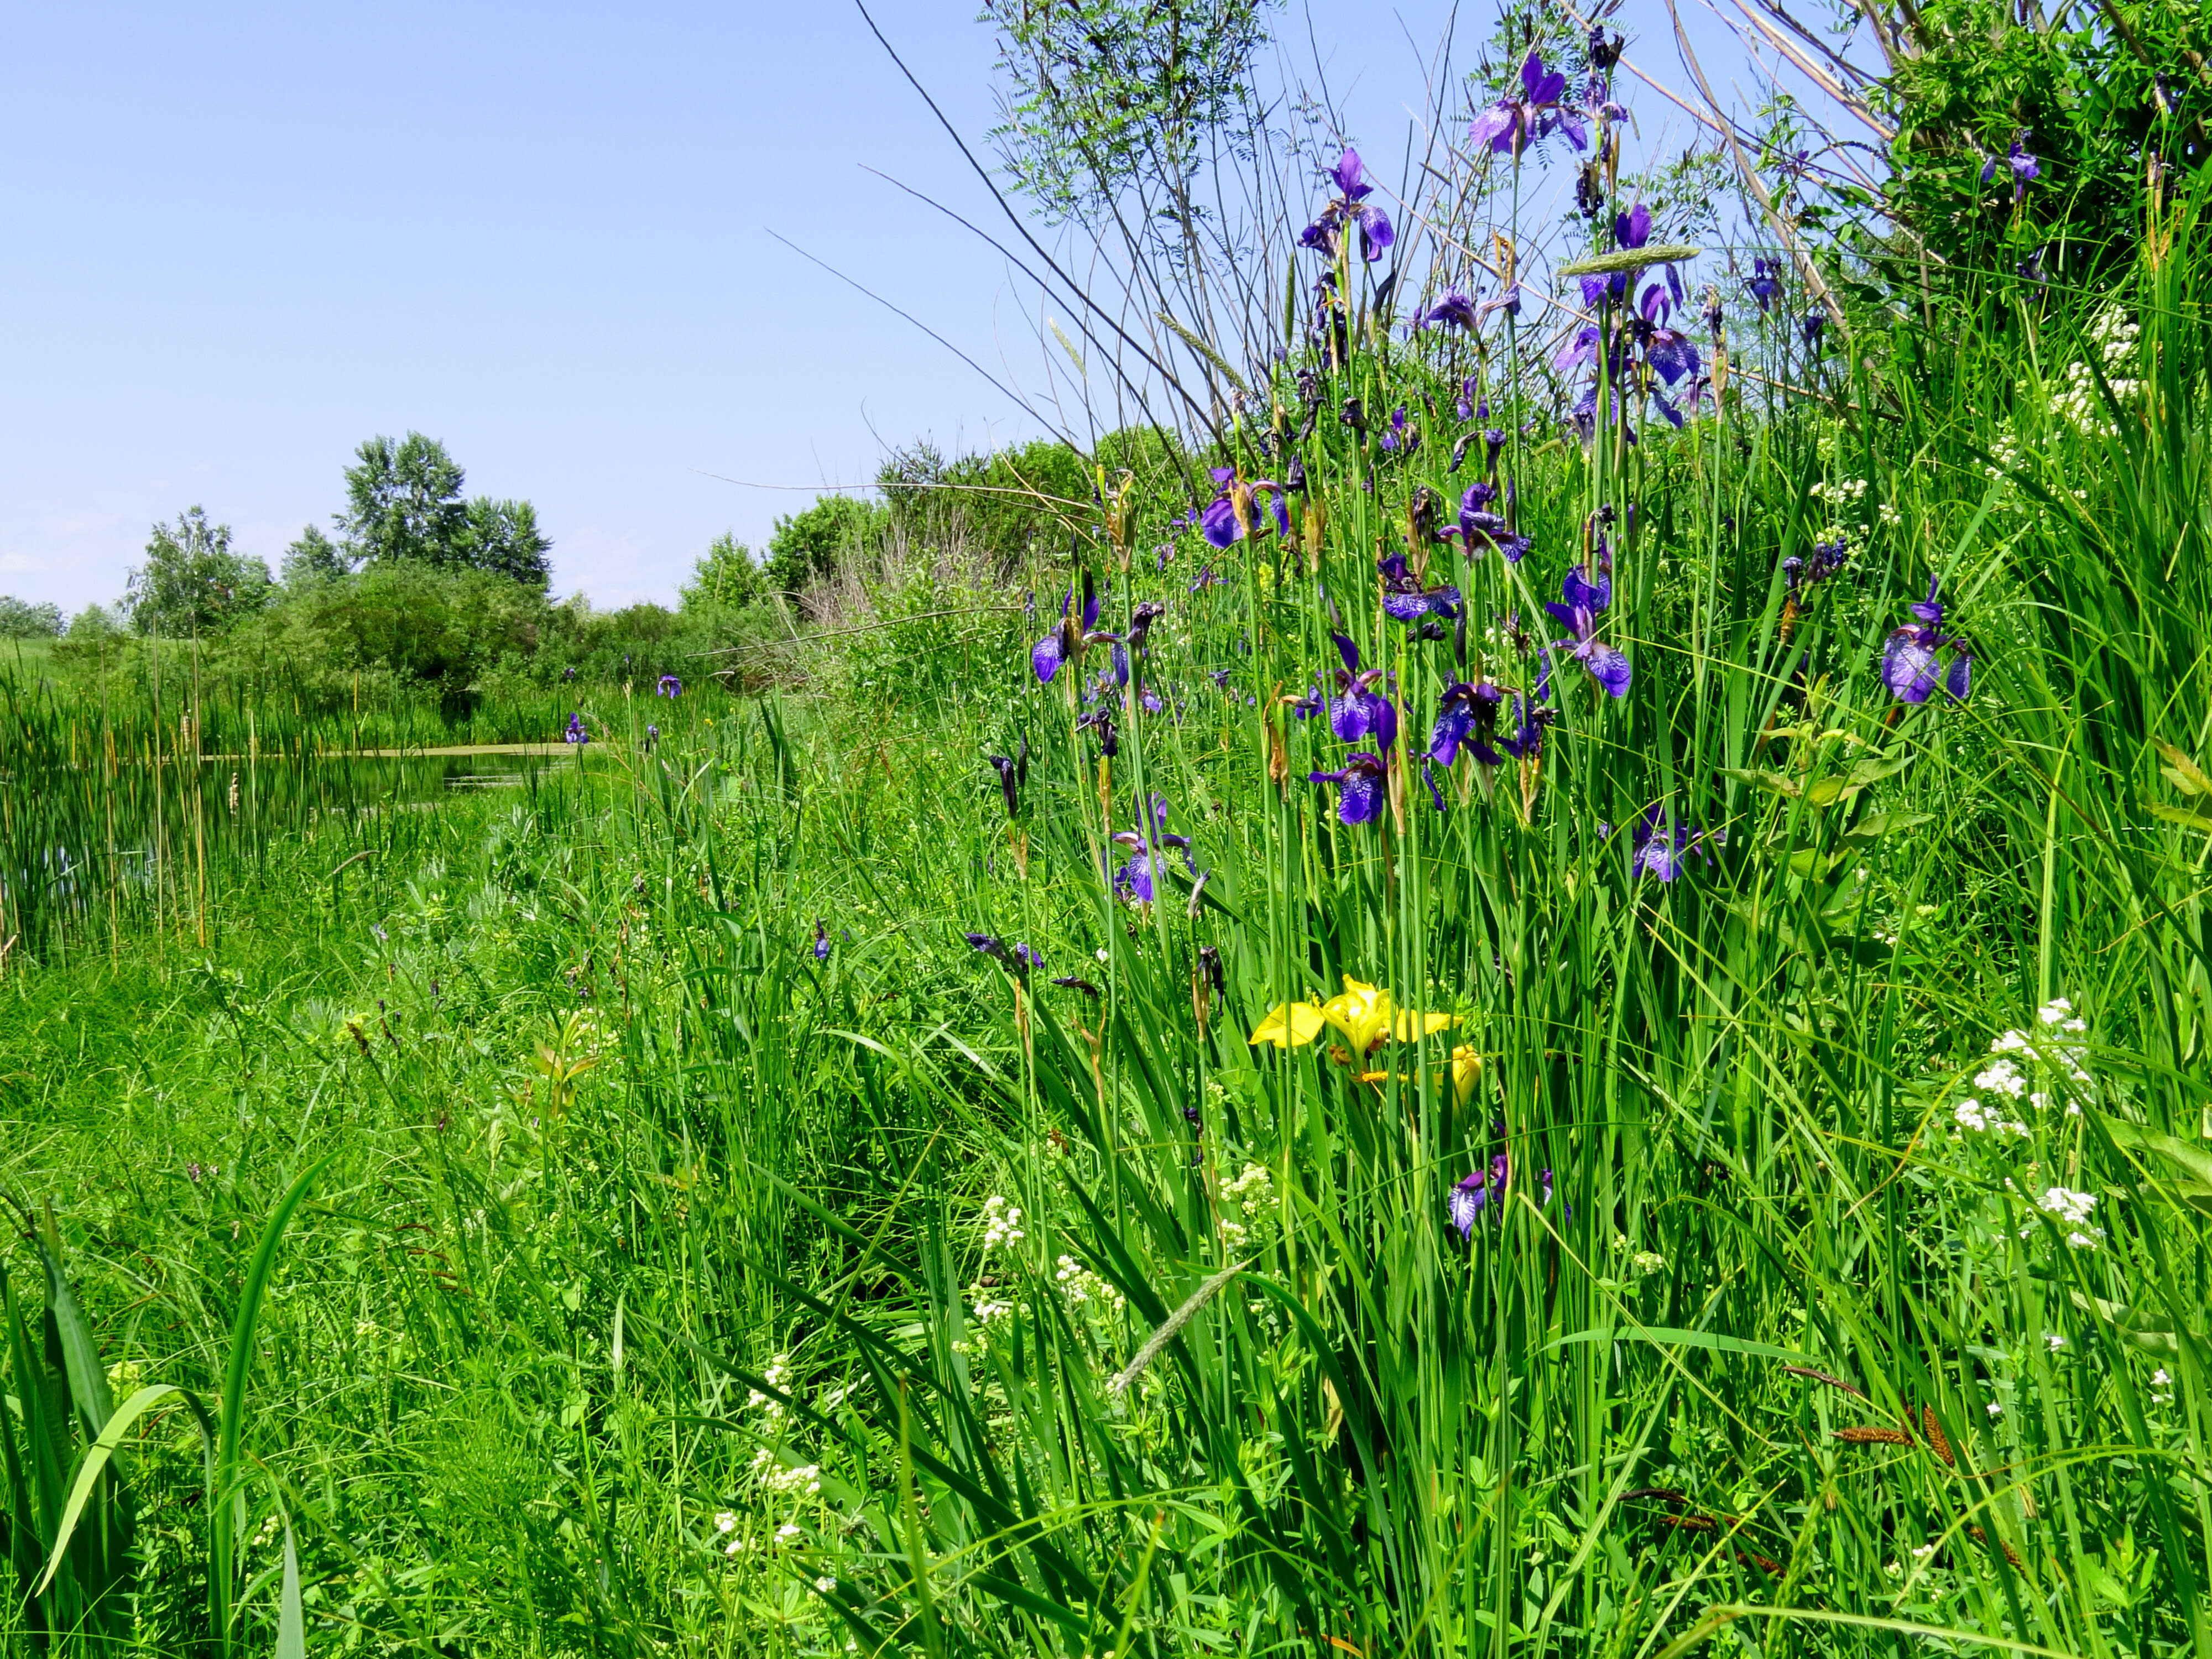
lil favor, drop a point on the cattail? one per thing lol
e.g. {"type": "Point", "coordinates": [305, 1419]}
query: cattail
{"type": "Point", "coordinates": [1936, 1443]}
{"type": "Point", "coordinates": [1867, 1434]}
{"type": "Point", "coordinates": [2010, 1553]}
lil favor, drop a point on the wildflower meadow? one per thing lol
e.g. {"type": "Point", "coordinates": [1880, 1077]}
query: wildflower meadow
{"type": "Point", "coordinates": [1535, 983]}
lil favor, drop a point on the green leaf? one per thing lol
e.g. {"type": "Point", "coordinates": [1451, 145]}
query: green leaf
{"type": "Point", "coordinates": [1775, 782]}
{"type": "Point", "coordinates": [2193, 1160]}
{"type": "Point", "coordinates": [1876, 825]}
{"type": "Point", "coordinates": [291, 1622]}
{"type": "Point", "coordinates": [2185, 774]}
{"type": "Point", "coordinates": [95, 1459]}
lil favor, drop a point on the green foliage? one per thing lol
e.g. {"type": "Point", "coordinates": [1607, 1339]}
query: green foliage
{"type": "Point", "coordinates": [1007, 505]}
{"type": "Point", "coordinates": [808, 545]}
{"type": "Point", "coordinates": [1101, 96]}
{"type": "Point", "coordinates": [21, 620]}
{"type": "Point", "coordinates": [191, 582]}
{"type": "Point", "coordinates": [2094, 91]}
{"type": "Point", "coordinates": [503, 537]}
{"type": "Point", "coordinates": [403, 503]}
{"type": "Point", "coordinates": [727, 578]}
{"type": "Point", "coordinates": [314, 557]}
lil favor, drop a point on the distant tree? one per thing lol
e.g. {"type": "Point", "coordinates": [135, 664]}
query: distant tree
{"type": "Point", "coordinates": [809, 545]}
{"type": "Point", "coordinates": [21, 620]}
{"type": "Point", "coordinates": [403, 502]}
{"type": "Point", "coordinates": [504, 537]}
{"type": "Point", "coordinates": [314, 558]}
{"type": "Point", "coordinates": [94, 621]}
{"type": "Point", "coordinates": [191, 582]}
{"type": "Point", "coordinates": [727, 578]}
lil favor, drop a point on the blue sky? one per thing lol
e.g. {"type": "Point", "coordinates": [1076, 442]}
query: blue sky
{"type": "Point", "coordinates": [244, 238]}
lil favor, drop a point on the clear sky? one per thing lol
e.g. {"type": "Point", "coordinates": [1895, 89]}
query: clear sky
{"type": "Point", "coordinates": [243, 237]}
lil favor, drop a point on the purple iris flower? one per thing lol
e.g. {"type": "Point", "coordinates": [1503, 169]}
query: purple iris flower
{"type": "Point", "coordinates": [1765, 284]}
{"type": "Point", "coordinates": [1223, 520]}
{"type": "Point", "coordinates": [1471, 1195]}
{"type": "Point", "coordinates": [1110, 740]}
{"type": "Point", "coordinates": [569, 673]}
{"type": "Point", "coordinates": [1493, 440]}
{"type": "Point", "coordinates": [668, 686]}
{"type": "Point", "coordinates": [652, 734]}
{"type": "Point", "coordinates": [1660, 845]}
{"type": "Point", "coordinates": [1632, 229]}
{"type": "Point", "coordinates": [1910, 668]}
{"type": "Point", "coordinates": [821, 941]}
{"type": "Point", "coordinates": [2023, 167]}
{"type": "Point", "coordinates": [1073, 637]}
{"type": "Point", "coordinates": [1485, 1190]}
{"type": "Point", "coordinates": [1467, 717]}
{"type": "Point", "coordinates": [1018, 958]}
{"type": "Point", "coordinates": [1133, 880]}
{"type": "Point", "coordinates": [1584, 601]}
{"type": "Point", "coordinates": [1180, 843]}
{"type": "Point", "coordinates": [1479, 527]}
{"type": "Point", "coordinates": [1469, 394]}
{"type": "Point", "coordinates": [1206, 579]}
{"type": "Point", "coordinates": [1529, 720]}
{"type": "Point", "coordinates": [1007, 782]}
{"type": "Point", "coordinates": [1407, 600]}
{"type": "Point", "coordinates": [1399, 435]}
{"type": "Point", "coordinates": [1455, 310]}
{"type": "Point", "coordinates": [575, 733]}
{"type": "Point", "coordinates": [1349, 209]}
{"type": "Point", "coordinates": [1358, 787]}
{"type": "Point", "coordinates": [1512, 123]}
{"type": "Point", "coordinates": [1358, 709]}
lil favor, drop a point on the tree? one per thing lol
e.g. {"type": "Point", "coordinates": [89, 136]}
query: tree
{"type": "Point", "coordinates": [314, 558]}
{"type": "Point", "coordinates": [504, 537]}
{"type": "Point", "coordinates": [809, 545]}
{"type": "Point", "coordinates": [191, 582]}
{"type": "Point", "coordinates": [21, 620]}
{"type": "Point", "coordinates": [727, 578]}
{"type": "Point", "coordinates": [403, 502]}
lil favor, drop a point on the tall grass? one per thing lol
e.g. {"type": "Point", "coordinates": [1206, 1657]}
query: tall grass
{"type": "Point", "coordinates": [673, 1287]}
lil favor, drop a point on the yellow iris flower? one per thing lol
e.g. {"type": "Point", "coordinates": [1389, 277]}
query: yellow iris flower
{"type": "Point", "coordinates": [1362, 1013]}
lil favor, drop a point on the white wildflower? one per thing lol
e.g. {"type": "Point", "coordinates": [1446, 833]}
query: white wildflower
{"type": "Point", "coordinates": [825, 1585]}
{"type": "Point", "coordinates": [2002, 1077]}
{"type": "Point", "coordinates": [1648, 1261]}
{"type": "Point", "coordinates": [725, 1522]}
{"type": "Point", "coordinates": [1002, 1224]}
{"type": "Point", "coordinates": [788, 1533]}
{"type": "Point", "coordinates": [1084, 1288]}
{"type": "Point", "coordinates": [2052, 1341]}
{"type": "Point", "coordinates": [2162, 1384]}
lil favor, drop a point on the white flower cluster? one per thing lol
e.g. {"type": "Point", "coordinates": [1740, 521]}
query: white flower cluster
{"type": "Point", "coordinates": [1648, 1261]}
{"type": "Point", "coordinates": [2071, 1209]}
{"type": "Point", "coordinates": [2078, 402]}
{"type": "Point", "coordinates": [2056, 1044]}
{"type": "Point", "coordinates": [1002, 1224]}
{"type": "Point", "coordinates": [1084, 1288]}
{"type": "Point", "coordinates": [1890, 516]}
{"type": "Point", "coordinates": [1844, 492]}
{"type": "Point", "coordinates": [725, 1523]}
{"type": "Point", "coordinates": [775, 1477]}
{"type": "Point", "coordinates": [2004, 456]}
{"type": "Point", "coordinates": [777, 1375]}
{"type": "Point", "coordinates": [2163, 1385]}
{"type": "Point", "coordinates": [1247, 1203]}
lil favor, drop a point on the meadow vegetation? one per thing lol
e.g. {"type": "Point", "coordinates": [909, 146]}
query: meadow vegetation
{"type": "Point", "coordinates": [1542, 988]}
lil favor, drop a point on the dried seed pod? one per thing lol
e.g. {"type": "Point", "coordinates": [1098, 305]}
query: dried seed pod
{"type": "Point", "coordinates": [1867, 1434]}
{"type": "Point", "coordinates": [1690, 1522]}
{"type": "Point", "coordinates": [2010, 1553]}
{"type": "Point", "coordinates": [1936, 1443]}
